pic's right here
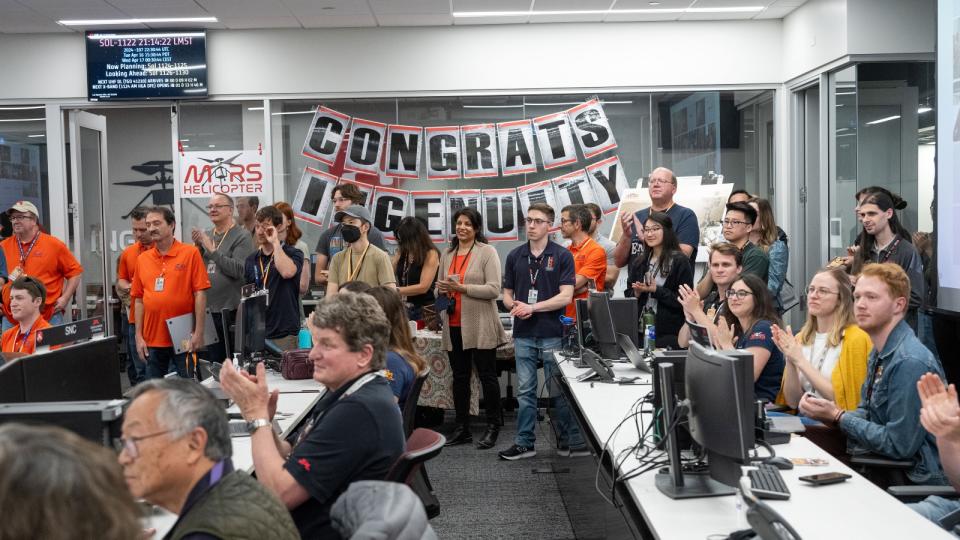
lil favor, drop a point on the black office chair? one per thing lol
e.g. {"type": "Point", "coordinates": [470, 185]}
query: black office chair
{"type": "Point", "coordinates": [882, 471]}
{"type": "Point", "coordinates": [410, 406]}
{"type": "Point", "coordinates": [422, 445]}
{"type": "Point", "coordinates": [917, 493]}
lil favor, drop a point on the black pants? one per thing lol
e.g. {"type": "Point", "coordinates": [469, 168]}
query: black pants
{"type": "Point", "coordinates": [217, 352]}
{"type": "Point", "coordinates": [486, 362]}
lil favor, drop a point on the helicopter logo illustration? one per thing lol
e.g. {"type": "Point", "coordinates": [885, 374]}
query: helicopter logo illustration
{"type": "Point", "coordinates": [221, 169]}
{"type": "Point", "coordinates": [162, 196]}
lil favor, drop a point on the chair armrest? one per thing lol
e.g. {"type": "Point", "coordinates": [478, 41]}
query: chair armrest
{"type": "Point", "coordinates": [778, 408]}
{"type": "Point", "coordinates": [922, 492]}
{"type": "Point", "coordinates": [871, 460]}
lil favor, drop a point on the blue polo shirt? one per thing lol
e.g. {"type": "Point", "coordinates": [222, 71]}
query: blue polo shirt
{"type": "Point", "coordinates": [553, 268]}
{"type": "Point", "coordinates": [685, 226]}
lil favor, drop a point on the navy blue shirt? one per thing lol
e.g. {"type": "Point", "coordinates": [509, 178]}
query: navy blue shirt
{"type": "Point", "coordinates": [283, 308]}
{"type": "Point", "coordinates": [344, 441]}
{"type": "Point", "coordinates": [401, 377]}
{"type": "Point", "coordinates": [553, 268]}
{"type": "Point", "coordinates": [767, 385]}
{"type": "Point", "coordinates": [685, 226]}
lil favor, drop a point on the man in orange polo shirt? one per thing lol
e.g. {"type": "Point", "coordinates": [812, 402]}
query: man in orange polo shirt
{"type": "Point", "coordinates": [136, 365]}
{"type": "Point", "coordinates": [27, 295]}
{"type": "Point", "coordinates": [589, 257]}
{"type": "Point", "coordinates": [32, 252]}
{"type": "Point", "coordinates": [170, 280]}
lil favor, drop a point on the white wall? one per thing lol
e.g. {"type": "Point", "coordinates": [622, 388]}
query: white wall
{"type": "Point", "coordinates": [814, 34]}
{"type": "Point", "coordinates": [436, 60]}
{"type": "Point", "coordinates": [891, 26]}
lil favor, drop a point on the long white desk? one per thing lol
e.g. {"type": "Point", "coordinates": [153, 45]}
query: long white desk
{"type": "Point", "coordinates": [853, 509]}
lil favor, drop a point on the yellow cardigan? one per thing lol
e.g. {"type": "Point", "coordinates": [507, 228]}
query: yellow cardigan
{"type": "Point", "coordinates": [851, 369]}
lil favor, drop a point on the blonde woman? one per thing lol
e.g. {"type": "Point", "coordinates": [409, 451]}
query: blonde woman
{"type": "Point", "coordinates": [828, 358]}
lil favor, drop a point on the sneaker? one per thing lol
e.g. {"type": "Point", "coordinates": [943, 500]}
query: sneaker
{"type": "Point", "coordinates": [516, 452]}
{"type": "Point", "coordinates": [579, 451]}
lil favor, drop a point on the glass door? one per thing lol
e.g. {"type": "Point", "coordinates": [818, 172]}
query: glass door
{"type": "Point", "coordinates": [88, 198]}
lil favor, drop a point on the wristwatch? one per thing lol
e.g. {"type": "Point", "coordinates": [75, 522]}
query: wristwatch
{"type": "Point", "coordinates": [257, 424]}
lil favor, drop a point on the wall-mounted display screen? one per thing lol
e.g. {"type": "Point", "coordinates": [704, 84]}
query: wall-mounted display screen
{"type": "Point", "coordinates": [138, 64]}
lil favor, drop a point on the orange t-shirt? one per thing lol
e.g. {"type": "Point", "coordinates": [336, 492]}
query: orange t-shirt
{"type": "Point", "coordinates": [590, 261]}
{"type": "Point", "coordinates": [50, 261]}
{"type": "Point", "coordinates": [457, 265]}
{"type": "Point", "coordinates": [183, 274]}
{"type": "Point", "coordinates": [14, 341]}
{"type": "Point", "coordinates": [128, 267]}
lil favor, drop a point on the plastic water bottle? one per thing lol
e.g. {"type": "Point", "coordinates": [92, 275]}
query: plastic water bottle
{"type": "Point", "coordinates": [304, 341]}
{"type": "Point", "coordinates": [571, 345]}
{"type": "Point", "coordinates": [649, 340]}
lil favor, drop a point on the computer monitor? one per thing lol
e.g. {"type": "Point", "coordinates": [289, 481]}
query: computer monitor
{"type": "Point", "coordinates": [67, 333]}
{"type": "Point", "coordinates": [719, 387]}
{"type": "Point", "coordinates": [251, 332]}
{"type": "Point", "coordinates": [609, 317]}
{"type": "Point", "coordinates": [11, 381]}
{"type": "Point", "coordinates": [81, 372]}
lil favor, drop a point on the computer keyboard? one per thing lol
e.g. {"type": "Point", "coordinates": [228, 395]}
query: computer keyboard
{"type": "Point", "coordinates": [766, 483]}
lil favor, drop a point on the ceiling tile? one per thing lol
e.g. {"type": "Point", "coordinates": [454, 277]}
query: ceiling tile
{"type": "Point", "coordinates": [237, 23]}
{"type": "Point", "coordinates": [337, 21]}
{"type": "Point", "coordinates": [244, 8]}
{"type": "Point", "coordinates": [730, 3]}
{"type": "Point", "coordinates": [514, 19]}
{"type": "Point", "coordinates": [28, 22]}
{"type": "Point", "coordinates": [641, 17]}
{"type": "Point", "coordinates": [645, 4]}
{"type": "Point", "coordinates": [396, 19]}
{"type": "Point", "coordinates": [81, 10]}
{"type": "Point", "coordinates": [397, 7]}
{"type": "Point", "coordinates": [492, 5]}
{"type": "Point", "coordinates": [583, 18]}
{"type": "Point", "coordinates": [560, 5]}
{"type": "Point", "coordinates": [146, 9]}
{"type": "Point", "coordinates": [775, 12]}
{"type": "Point", "coordinates": [323, 7]}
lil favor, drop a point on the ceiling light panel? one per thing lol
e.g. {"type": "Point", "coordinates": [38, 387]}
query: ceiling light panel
{"type": "Point", "coordinates": [410, 7]}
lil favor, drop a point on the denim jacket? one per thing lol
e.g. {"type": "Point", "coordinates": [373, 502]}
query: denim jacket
{"type": "Point", "coordinates": [887, 422]}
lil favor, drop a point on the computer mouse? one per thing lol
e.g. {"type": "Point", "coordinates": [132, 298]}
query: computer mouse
{"type": "Point", "coordinates": [780, 462]}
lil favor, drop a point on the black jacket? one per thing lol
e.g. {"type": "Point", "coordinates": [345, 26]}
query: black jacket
{"type": "Point", "coordinates": [669, 317]}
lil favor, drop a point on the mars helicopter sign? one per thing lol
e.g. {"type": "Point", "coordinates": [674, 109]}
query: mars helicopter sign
{"type": "Point", "coordinates": [236, 173]}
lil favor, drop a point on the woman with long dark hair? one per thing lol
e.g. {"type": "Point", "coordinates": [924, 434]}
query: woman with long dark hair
{"type": "Point", "coordinates": [470, 279]}
{"type": "Point", "coordinates": [748, 325]}
{"type": "Point", "coordinates": [404, 364]}
{"type": "Point", "coordinates": [773, 241]}
{"type": "Point", "coordinates": [655, 280]}
{"type": "Point", "coordinates": [415, 265]}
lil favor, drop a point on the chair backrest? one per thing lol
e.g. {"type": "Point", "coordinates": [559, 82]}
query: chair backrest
{"type": "Point", "coordinates": [422, 445]}
{"type": "Point", "coordinates": [410, 405]}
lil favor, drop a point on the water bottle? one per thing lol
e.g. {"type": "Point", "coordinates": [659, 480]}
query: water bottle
{"type": "Point", "coordinates": [571, 345]}
{"type": "Point", "coordinates": [649, 340]}
{"type": "Point", "coordinates": [304, 341]}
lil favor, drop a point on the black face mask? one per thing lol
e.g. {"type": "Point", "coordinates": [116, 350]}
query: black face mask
{"type": "Point", "coordinates": [350, 233]}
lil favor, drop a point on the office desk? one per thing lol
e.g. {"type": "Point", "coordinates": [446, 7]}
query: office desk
{"type": "Point", "coordinates": [853, 509]}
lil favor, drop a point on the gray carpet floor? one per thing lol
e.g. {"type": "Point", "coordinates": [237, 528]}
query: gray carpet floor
{"type": "Point", "coordinates": [483, 496]}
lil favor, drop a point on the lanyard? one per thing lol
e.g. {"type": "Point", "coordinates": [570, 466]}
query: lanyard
{"type": "Point", "coordinates": [23, 343]}
{"type": "Point", "coordinates": [224, 237]}
{"type": "Point", "coordinates": [23, 256]}
{"type": "Point", "coordinates": [463, 264]}
{"type": "Point", "coordinates": [316, 418]}
{"type": "Point", "coordinates": [264, 273]}
{"type": "Point", "coordinates": [350, 270]}
{"type": "Point", "coordinates": [539, 261]}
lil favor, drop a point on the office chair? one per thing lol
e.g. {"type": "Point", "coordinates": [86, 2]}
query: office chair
{"type": "Point", "coordinates": [422, 445]}
{"type": "Point", "coordinates": [421, 482]}
{"type": "Point", "coordinates": [410, 406]}
{"type": "Point", "coordinates": [882, 471]}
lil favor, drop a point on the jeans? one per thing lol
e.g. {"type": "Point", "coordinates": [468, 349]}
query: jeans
{"type": "Point", "coordinates": [486, 362]}
{"type": "Point", "coordinates": [136, 367]}
{"type": "Point", "coordinates": [527, 352]}
{"type": "Point", "coordinates": [925, 332]}
{"type": "Point", "coordinates": [216, 352]}
{"type": "Point", "coordinates": [935, 508]}
{"type": "Point", "coordinates": [159, 360]}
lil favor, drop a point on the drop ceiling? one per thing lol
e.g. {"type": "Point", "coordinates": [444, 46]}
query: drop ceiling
{"type": "Point", "coordinates": [41, 16]}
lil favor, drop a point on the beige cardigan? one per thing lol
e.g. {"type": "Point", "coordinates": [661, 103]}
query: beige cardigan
{"type": "Point", "coordinates": [480, 325]}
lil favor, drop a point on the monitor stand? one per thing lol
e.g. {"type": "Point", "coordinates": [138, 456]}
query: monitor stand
{"type": "Point", "coordinates": [672, 482]}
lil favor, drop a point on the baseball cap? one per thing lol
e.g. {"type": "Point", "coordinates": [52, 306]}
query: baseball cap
{"type": "Point", "coordinates": [356, 211]}
{"type": "Point", "coordinates": [24, 206]}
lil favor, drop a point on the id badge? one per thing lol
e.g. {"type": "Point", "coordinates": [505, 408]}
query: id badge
{"type": "Point", "coordinates": [211, 267]}
{"type": "Point", "coordinates": [532, 297]}
{"type": "Point", "coordinates": [158, 285]}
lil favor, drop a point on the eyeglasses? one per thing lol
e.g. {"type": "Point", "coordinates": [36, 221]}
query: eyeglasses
{"type": "Point", "coordinates": [820, 291]}
{"type": "Point", "coordinates": [218, 206]}
{"type": "Point", "coordinates": [536, 221]}
{"type": "Point", "coordinates": [734, 222]}
{"type": "Point", "coordinates": [21, 217]}
{"type": "Point", "coordinates": [739, 294]}
{"type": "Point", "coordinates": [565, 220]}
{"type": "Point", "coordinates": [130, 443]}
{"type": "Point", "coordinates": [658, 182]}
{"type": "Point", "coordinates": [651, 230]}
